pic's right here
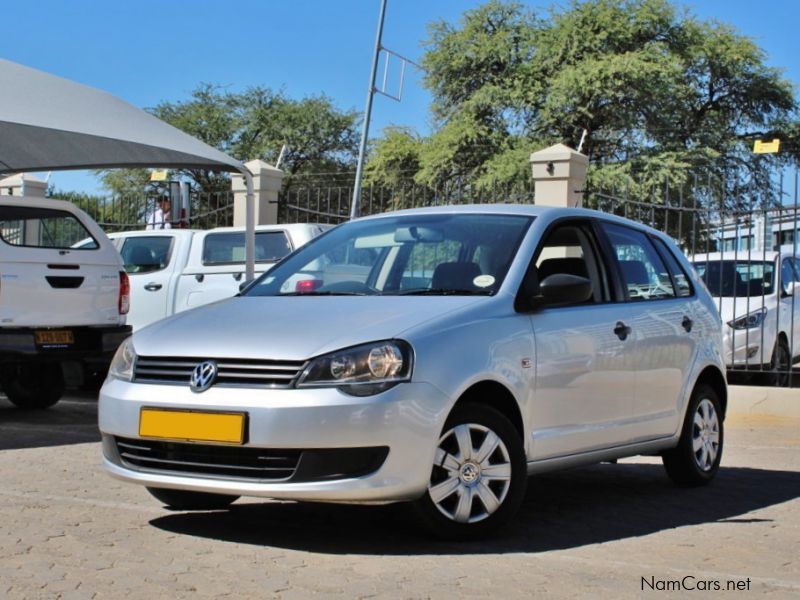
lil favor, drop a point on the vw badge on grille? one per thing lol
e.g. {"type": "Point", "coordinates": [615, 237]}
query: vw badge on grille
{"type": "Point", "coordinates": [203, 376]}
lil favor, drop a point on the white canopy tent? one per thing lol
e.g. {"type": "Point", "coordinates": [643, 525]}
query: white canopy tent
{"type": "Point", "coordinates": [48, 123]}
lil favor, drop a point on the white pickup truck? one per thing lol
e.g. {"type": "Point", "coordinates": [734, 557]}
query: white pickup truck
{"type": "Point", "coordinates": [172, 270]}
{"type": "Point", "coordinates": [62, 307]}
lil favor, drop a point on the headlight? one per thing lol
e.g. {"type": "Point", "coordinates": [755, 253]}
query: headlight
{"type": "Point", "coordinates": [123, 361]}
{"type": "Point", "coordinates": [749, 321]}
{"type": "Point", "coordinates": [361, 370]}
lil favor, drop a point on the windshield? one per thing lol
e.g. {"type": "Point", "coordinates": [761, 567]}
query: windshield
{"type": "Point", "coordinates": [737, 278]}
{"type": "Point", "coordinates": [466, 254]}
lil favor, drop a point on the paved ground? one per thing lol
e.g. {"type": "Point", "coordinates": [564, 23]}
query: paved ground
{"type": "Point", "coordinates": [67, 530]}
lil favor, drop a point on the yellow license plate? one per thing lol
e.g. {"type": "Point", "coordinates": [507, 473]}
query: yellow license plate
{"type": "Point", "coordinates": [50, 337]}
{"type": "Point", "coordinates": [192, 426]}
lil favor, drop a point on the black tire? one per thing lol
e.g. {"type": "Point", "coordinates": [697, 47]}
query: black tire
{"type": "Point", "coordinates": [683, 463]}
{"type": "Point", "coordinates": [33, 386]}
{"type": "Point", "coordinates": [187, 500]}
{"type": "Point", "coordinates": [781, 364]}
{"type": "Point", "coordinates": [508, 457]}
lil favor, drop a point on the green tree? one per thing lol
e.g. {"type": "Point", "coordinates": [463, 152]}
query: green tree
{"type": "Point", "coordinates": [660, 94]}
{"type": "Point", "coordinates": [253, 124]}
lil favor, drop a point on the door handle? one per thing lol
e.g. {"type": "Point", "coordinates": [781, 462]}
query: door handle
{"type": "Point", "coordinates": [687, 323]}
{"type": "Point", "coordinates": [153, 287]}
{"type": "Point", "coordinates": [621, 330]}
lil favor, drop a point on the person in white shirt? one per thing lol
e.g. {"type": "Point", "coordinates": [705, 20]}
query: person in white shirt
{"type": "Point", "coordinates": [159, 218]}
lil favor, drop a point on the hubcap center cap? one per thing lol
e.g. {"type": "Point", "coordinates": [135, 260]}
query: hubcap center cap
{"type": "Point", "coordinates": [469, 472]}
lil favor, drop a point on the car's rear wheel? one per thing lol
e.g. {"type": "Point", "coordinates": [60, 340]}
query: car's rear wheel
{"type": "Point", "coordinates": [187, 500]}
{"type": "Point", "coordinates": [478, 477]}
{"type": "Point", "coordinates": [695, 460]}
{"type": "Point", "coordinates": [33, 385]}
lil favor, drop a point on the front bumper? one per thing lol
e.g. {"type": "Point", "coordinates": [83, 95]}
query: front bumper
{"type": "Point", "coordinates": [748, 348]}
{"type": "Point", "coordinates": [97, 344]}
{"type": "Point", "coordinates": [407, 419]}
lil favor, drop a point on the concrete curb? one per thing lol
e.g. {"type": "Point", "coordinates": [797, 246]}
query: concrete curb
{"type": "Point", "coordinates": [779, 402]}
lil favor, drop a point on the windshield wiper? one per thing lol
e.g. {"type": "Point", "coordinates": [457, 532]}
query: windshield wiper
{"type": "Point", "coordinates": [325, 293]}
{"type": "Point", "coordinates": [442, 292]}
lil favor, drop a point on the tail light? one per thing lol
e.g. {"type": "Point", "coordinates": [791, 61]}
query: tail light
{"type": "Point", "coordinates": [124, 293]}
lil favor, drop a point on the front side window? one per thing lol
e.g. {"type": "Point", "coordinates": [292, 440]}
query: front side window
{"type": "Point", "coordinates": [146, 254]}
{"type": "Point", "coordinates": [461, 254]}
{"type": "Point", "coordinates": [44, 228]}
{"type": "Point", "coordinates": [570, 249]}
{"type": "Point", "coordinates": [737, 279]}
{"type": "Point", "coordinates": [787, 273]}
{"type": "Point", "coordinates": [643, 272]}
{"type": "Point", "coordinates": [229, 248]}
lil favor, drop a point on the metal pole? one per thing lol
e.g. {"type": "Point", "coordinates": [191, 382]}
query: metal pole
{"type": "Point", "coordinates": [249, 227]}
{"type": "Point", "coordinates": [355, 206]}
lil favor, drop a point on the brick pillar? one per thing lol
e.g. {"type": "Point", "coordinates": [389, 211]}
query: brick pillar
{"type": "Point", "coordinates": [267, 182]}
{"type": "Point", "coordinates": [559, 174]}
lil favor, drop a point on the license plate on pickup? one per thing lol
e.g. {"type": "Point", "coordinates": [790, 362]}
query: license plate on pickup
{"type": "Point", "coordinates": [192, 426]}
{"type": "Point", "coordinates": [54, 337]}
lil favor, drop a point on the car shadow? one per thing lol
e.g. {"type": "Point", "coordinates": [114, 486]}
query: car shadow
{"type": "Point", "coordinates": [72, 421]}
{"type": "Point", "coordinates": [565, 510]}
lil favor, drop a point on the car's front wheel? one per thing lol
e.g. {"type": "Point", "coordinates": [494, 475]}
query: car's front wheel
{"type": "Point", "coordinates": [478, 477]}
{"type": "Point", "coordinates": [187, 500]}
{"type": "Point", "coordinates": [695, 460]}
{"type": "Point", "coordinates": [781, 364]}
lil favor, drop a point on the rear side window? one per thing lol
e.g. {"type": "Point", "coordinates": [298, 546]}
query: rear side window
{"type": "Point", "coordinates": [643, 272]}
{"type": "Point", "coordinates": [228, 248]}
{"type": "Point", "coordinates": [146, 254]}
{"type": "Point", "coordinates": [44, 228]}
{"type": "Point", "coordinates": [679, 276]}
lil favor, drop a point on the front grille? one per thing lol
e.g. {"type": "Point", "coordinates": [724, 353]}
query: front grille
{"type": "Point", "coordinates": [231, 371]}
{"type": "Point", "coordinates": [221, 461]}
{"type": "Point", "coordinates": [243, 462]}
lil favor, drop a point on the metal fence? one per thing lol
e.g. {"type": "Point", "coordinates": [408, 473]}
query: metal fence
{"type": "Point", "coordinates": [332, 204]}
{"type": "Point", "coordinates": [137, 211]}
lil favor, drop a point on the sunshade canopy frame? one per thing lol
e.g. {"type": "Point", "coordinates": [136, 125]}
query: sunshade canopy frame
{"type": "Point", "coordinates": [48, 123]}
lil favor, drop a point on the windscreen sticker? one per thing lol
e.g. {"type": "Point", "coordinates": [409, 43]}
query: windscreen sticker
{"type": "Point", "coordinates": [483, 281]}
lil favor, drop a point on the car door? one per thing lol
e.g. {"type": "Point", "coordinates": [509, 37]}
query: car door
{"type": "Point", "coordinates": [148, 262]}
{"type": "Point", "coordinates": [584, 356]}
{"type": "Point", "coordinates": [661, 324]}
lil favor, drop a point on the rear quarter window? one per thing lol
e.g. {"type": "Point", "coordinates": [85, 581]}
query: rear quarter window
{"type": "Point", "coordinates": [228, 248]}
{"type": "Point", "coordinates": [33, 227]}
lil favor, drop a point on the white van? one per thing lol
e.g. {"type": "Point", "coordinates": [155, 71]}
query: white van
{"type": "Point", "coordinates": [61, 306]}
{"type": "Point", "coordinates": [172, 270]}
{"type": "Point", "coordinates": [756, 294]}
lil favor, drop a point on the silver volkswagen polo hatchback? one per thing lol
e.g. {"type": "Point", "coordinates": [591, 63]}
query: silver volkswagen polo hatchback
{"type": "Point", "coordinates": [437, 356]}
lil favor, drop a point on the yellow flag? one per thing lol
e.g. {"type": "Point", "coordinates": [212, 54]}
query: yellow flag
{"type": "Point", "coordinates": [772, 147]}
{"type": "Point", "coordinates": [158, 175]}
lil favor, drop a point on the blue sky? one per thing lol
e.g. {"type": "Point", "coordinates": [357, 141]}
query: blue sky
{"type": "Point", "coordinates": [153, 50]}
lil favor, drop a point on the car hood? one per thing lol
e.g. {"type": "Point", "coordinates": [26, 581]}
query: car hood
{"type": "Point", "coordinates": [290, 328]}
{"type": "Point", "coordinates": [734, 308]}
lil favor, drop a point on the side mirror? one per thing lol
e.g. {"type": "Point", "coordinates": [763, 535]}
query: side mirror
{"type": "Point", "coordinates": [561, 289]}
{"type": "Point", "coordinates": [244, 284]}
{"type": "Point", "coordinates": [793, 288]}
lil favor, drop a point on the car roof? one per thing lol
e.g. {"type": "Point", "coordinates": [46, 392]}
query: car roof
{"type": "Point", "coordinates": [529, 210]}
